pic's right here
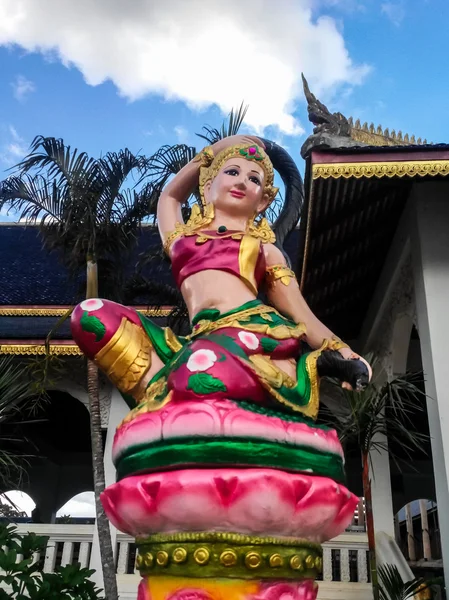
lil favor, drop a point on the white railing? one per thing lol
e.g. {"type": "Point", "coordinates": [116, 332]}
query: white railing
{"type": "Point", "coordinates": [345, 561]}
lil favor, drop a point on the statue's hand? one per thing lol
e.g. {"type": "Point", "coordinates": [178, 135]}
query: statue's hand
{"type": "Point", "coordinates": [349, 368]}
{"type": "Point", "coordinates": [348, 354]}
{"type": "Point", "coordinates": [236, 139]}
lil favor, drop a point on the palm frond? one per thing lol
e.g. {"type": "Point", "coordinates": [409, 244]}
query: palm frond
{"type": "Point", "coordinates": [115, 169]}
{"type": "Point", "coordinates": [166, 162]}
{"type": "Point", "coordinates": [378, 413]}
{"type": "Point", "coordinates": [60, 163]}
{"type": "Point", "coordinates": [15, 388]}
{"type": "Point", "coordinates": [230, 126]}
{"type": "Point", "coordinates": [392, 587]}
{"type": "Point", "coordinates": [33, 197]}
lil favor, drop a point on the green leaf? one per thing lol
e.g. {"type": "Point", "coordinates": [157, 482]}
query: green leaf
{"type": "Point", "coordinates": [228, 343]}
{"type": "Point", "coordinates": [92, 324]}
{"type": "Point", "coordinates": [222, 357]}
{"type": "Point", "coordinates": [268, 344]}
{"type": "Point", "coordinates": [203, 383]}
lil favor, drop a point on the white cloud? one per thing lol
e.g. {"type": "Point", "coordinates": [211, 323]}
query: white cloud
{"type": "Point", "coordinates": [199, 52]}
{"type": "Point", "coordinates": [12, 147]}
{"type": "Point", "coordinates": [81, 505]}
{"type": "Point", "coordinates": [182, 134]}
{"type": "Point", "coordinates": [21, 87]}
{"type": "Point", "coordinates": [395, 11]}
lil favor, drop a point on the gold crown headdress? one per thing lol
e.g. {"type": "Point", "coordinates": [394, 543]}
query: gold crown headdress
{"type": "Point", "coordinates": [211, 165]}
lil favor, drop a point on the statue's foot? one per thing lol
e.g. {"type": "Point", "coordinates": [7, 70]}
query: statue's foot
{"type": "Point", "coordinates": [352, 370]}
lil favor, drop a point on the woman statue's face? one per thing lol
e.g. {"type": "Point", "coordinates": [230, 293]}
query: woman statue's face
{"type": "Point", "coordinates": [238, 188]}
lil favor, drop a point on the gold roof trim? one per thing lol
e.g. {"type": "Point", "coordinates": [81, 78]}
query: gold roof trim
{"type": "Point", "coordinates": [59, 312]}
{"type": "Point", "coordinates": [39, 349]}
{"type": "Point", "coordinates": [377, 136]}
{"type": "Point", "coordinates": [415, 168]}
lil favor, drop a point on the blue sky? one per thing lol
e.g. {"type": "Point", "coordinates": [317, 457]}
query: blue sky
{"type": "Point", "coordinates": [111, 74]}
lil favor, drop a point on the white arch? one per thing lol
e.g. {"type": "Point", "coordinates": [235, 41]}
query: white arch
{"type": "Point", "coordinates": [80, 505]}
{"type": "Point", "coordinates": [20, 500]}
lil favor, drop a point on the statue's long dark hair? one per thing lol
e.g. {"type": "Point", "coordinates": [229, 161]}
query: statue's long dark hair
{"type": "Point", "coordinates": [294, 191]}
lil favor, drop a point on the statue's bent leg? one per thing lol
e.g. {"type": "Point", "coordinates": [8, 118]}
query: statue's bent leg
{"type": "Point", "coordinates": [113, 337]}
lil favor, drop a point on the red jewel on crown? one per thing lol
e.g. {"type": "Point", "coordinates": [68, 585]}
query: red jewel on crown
{"type": "Point", "coordinates": [251, 153]}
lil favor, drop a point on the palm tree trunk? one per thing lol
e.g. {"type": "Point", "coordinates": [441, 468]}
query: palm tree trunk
{"type": "Point", "coordinates": [370, 524]}
{"type": "Point", "coordinates": [104, 533]}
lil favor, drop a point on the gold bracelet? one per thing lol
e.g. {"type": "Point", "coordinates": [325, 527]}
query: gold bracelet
{"type": "Point", "coordinates": [205, 157]}
{"type": "Point", "coordinates": [335, 343]}
{"type": "Point", "coordinates": [282, 272]}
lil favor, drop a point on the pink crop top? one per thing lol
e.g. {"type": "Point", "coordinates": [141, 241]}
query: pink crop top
{"type": "Point", "coordinates": [237, 253]}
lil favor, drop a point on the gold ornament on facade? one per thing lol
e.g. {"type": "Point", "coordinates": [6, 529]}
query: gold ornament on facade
{"type": "Point", "coordinates": [381, 169]}
{"type": "Point", "coordinates": [60, 312]}
{"type": "Point", "coordinates": [148, 560]}
{"type": "Point", "coordinates": [378, 136]}
{"type": "Point", "coordinates": [296, 563]}
{"type": "Point", "coordinates": [228, 558]}
{"type": "Point", "coordinates": [220, 536]}
{"type": "Point", "coordinates": [253, 560]}
{"type": "Point", "coordinates": [276, 561]}
{"type": "Point", "coordinates": [162, 558]}
{"type": "Point", "coordinates": [179, 555]}
{"type": "Point", "coordinates": [39, 349]}
{"type": "Point", "coordinates": [139, 561]}
{"type": "Point", "coordinates": [310, 562]}
{"type": "Point", "coordinates": [201, 556]}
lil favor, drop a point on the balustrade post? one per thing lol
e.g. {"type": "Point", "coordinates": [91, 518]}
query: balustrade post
{"type": "Point", "coordinates": [327, 564]}
{"type": "Point", "coordinates": [427, 549]}
{"type": "Point", "coordinates": [123, 554]}
{"type": "Point", "coordinates": [362, 568]}
{"type": "Point", "coordinates": [67, 554]}
{"type": "Point", "coordinates": [83, 557]}
{"type": "Point", "coordinates": [50, 557]}
{"type": "Point", "coordinates": [410, 536]}
{"type": "Point", "coordinates": [345, 574]}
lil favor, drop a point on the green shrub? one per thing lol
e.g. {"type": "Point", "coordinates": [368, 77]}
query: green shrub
{"type": "Point", "coordinates": [24, 578]}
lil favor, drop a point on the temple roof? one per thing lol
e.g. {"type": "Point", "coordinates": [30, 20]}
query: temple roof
{"type": "Point", "coordinates": [355, 192]}
{"type": "Point", "coordinates": [30, 276]}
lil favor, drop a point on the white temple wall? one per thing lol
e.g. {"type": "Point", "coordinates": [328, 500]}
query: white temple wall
{"type": "Point", "coordinates": [430, 251]}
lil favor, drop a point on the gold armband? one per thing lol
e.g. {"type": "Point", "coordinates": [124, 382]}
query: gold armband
{"type": "Point", "coordinates": [335, 343]}
{"type": "Point", "coordinates": [126, 358]}
{"type": "Point", "coordinates": [281, 272]}
{"type": "Point", "coordinates": [205, 157]}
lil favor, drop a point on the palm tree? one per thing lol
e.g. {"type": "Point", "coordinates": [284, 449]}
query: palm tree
{"type": "Point", "coordinates": [377, 419]}
{"type": "Point", "coordinates": [86, 211]}
{"type": "Point", "coordinates": [17, 395]}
